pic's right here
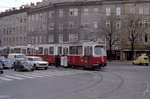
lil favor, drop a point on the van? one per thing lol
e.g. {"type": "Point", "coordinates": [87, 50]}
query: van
{"type": "Point", "coordinates": [143, 59]}
{"type": "Point", "coordinates": [14, 56]}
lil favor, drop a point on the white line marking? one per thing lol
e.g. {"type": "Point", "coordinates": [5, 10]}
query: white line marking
{"type": "Point", "coordinates": [6, 79]}
{"type": "Point", "coordinates": [4, 96]}
{"type": "Point", "coordinates": [32, 75]}
{"type": "Point", "coordinates": [24, 76]}
{"type": "Point", "coordinates": [13, 77]}
{"type": "Point", "coordinates": [42, 74]}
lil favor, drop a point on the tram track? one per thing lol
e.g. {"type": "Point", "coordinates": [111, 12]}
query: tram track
{"type": "Point", "coordinates": [92, 83]}
{"type": "Point", "coordinates": [105, 95]}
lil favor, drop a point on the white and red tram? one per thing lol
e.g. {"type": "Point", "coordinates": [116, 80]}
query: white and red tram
{"type": "Point", "coordinates": [87, 55]}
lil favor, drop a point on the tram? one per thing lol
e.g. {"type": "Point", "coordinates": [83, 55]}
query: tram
{"type": "Point", "coordinates": [86, 55]}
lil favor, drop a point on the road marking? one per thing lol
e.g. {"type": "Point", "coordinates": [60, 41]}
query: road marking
{"type": "Point", "coordinates": [4, 96]}
{"type": "Point", "coordinates": [13, 77]}
{"type": "Point", "coordinates": [6, 79]}
{"type": "Point", "coordinates": [41, 74]}
{"type": "Point", "coordinates": [32, 75]}
{"type": "Point", "coordinates": [24, 76]}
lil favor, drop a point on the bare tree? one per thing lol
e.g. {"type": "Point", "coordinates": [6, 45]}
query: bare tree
{"type": "Point", "coordinates": [133, 27]}
{"type": "Point", "coordinates": [110, 29]}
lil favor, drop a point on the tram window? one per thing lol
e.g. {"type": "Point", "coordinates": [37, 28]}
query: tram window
{"type": "Point", "coordinates": [51, 50]}
{"type": "Point", "coordinates": [23, 51]}
{"type": "Point", "coordinates": [45, 51]}
{"type": "Point", "coordinates": [88, 50]}
{"type": "Point", "coordinates": [11, 51]}
{"type": "Point", "coordinates": [40, 50]}
{"type": "Point", "coordinates": [59, 50]}
{"type": "Point", "coordinates": [72, 50]}
{"type": "Point", "coordinates": [29, 51]}
{"type": "Point", "coordinates": [17, 50]}
{"type": "Point", "coordinates": [79, 50]}
{"type": "Point", "coordinates": [6, 51]}
{"type": "Point", "coordinates": [65, 51]}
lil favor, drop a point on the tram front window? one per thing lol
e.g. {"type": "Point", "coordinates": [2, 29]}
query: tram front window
{"type": "Point", "coordinates": [99, 50]}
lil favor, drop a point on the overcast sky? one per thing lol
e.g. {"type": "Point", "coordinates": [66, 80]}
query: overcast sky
{"type": "Point", "coordinates": [7, 4]}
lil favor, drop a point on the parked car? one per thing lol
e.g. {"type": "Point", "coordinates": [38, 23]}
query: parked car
{"type": "Point", "coordinates": [23, 65]}
{"type": "Point", "coordinates": [37, 62]}
{"type": "Point", "coordinates": [6, 63]}
{"type": "Point", "coordinates": [1, 58]}
{"type": "Point", "coordinates": [143, 59]}
{"type": "Point", "coordinates": [16, 56]}
{"type": "Point", "coordinates": [1, 68]}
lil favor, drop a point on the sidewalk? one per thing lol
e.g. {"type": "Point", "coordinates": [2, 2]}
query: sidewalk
{"type": "Point", "coordinates": [119, 62]}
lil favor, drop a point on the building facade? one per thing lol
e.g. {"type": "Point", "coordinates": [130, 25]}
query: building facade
{"type": "Point", "coordinates": [13, 24]}
{"type": "Point", "coordinates": [72, 21]}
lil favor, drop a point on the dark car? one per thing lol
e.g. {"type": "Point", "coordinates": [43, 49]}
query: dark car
{"type": "Point", "coordinates": [1, 68]}
{"type": "Point", "coordinates": [23, 65]}
{"type": "Point", "coordinates": [6, 63]}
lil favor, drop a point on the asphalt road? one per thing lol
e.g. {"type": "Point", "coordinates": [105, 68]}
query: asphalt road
{"type": "Point", "coordinates": [116, 81]}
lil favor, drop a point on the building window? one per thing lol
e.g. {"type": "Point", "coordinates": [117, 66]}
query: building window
{"type": "Point", "coordinates": [146, 9]}
{"type": "Point", "coordinates": [60, 26]}
{"type": "Point", "coordinates": [51, 26]}
{"type": "Point", "coordinates": [86, 11]}
{"type": "Point", "coordinates": [73, 12]}
{"type": "Point", "coordinates": [146, 38]}
{"type": "Point", "coordinates": [95, 25]}
{"type": "Point", "coordinates": [51, 38]}
{"type": "Point", "coordinates": [73, 37]}
{"type": "Point", "coordinates": [51, 14]}
{"type": "Point", "coordinates": [60, 13]}
{"type": "Point", "coordinates": [132, 9]}
{"type": "Point", "coordinates": [145, 23]}
{"type": "Point", "coordinates": [107, 24]}
{"type": "Point", "coordinates": [32, 40]}
{"type": "Point", "coordinates": [40, 39]}
{"type": "Point", "coordinates": [96, 11]}
{"type": "Point", "coordinates": [70, 12]}
{"type": "Point", "coordinates": [36, 39]}
{"type": "Point", "coordinates": [60, 38]}
{"type": "Point", "coordinates": [71, 25]}
{"type": "Point", "coordinates": [107, 11]}
{"type": "Point", "coordinates": [140, 38]}
{"type": "Point", "coordinates": [118, 11]}
{"type": "Point", "coordinates": [140, 23]}
{"type": "Point", "coordinates": [118, 24]}
{"type": "Point", "coordinates": [140, 9]}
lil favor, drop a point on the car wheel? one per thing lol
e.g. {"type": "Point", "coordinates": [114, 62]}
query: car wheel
{"type": "Point", "coordinates": [45, 68]}
{"type": "Point", "coordinates": [15, 69]}
{"type": "Point", "coordinates": [146, 64]}
{"type": "Point", "coordinates": [133, 63]}
{"type": "Point", "coordinates": [32, 69]}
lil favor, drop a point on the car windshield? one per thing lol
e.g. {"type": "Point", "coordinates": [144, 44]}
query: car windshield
{"type": "Point", "coordinates": [6, 60]}
{"type": "Point", "coordinates": [25, 62]}
{"type": "Point", "coordinates": [20, 56]}
{"type": "Point", "coordinates": [37, 59]}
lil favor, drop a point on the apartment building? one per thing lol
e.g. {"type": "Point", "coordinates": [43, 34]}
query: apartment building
{"type": "Point", "coordinates": [13, 25]}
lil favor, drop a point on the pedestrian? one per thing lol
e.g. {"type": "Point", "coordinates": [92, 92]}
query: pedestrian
{"type": "Point", "coordinates": [65, 61]}
{"type": "Point", "coordinates": [62, 61]}
{"type": "Point", "coordinates": [57, 60]}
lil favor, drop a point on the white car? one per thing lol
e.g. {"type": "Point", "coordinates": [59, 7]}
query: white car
{"type": "Point", "coordinates": [37, 62]}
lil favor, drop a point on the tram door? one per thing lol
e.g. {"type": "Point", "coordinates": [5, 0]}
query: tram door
{"type": "Point", "coordinates": [87, 55]}
{"type": "Point", "coordinates": [65, 50]}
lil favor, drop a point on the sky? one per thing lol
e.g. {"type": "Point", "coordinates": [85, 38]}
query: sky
{"type": "Point", "coordinates": [7, 4]}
